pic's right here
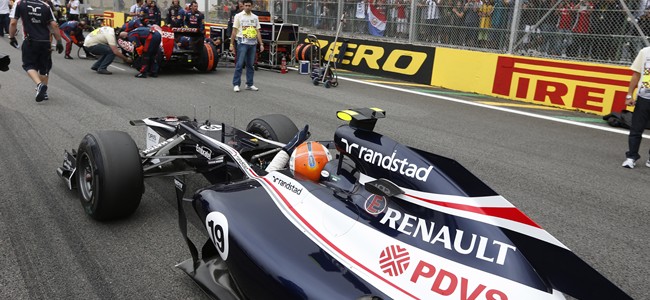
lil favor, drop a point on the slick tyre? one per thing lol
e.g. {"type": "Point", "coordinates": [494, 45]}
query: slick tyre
{"type": "Point", "coordinates": [209, 58]}
{"type": "Point", "coordinates": [274, 127]}
{"type": "Point", "coordinates": [109, 175]}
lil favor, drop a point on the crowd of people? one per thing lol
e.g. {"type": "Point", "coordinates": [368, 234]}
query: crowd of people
{"type": "Point", "coordinates": [572, 28]}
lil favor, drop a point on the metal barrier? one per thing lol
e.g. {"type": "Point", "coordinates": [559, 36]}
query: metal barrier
{"type": "Point", "coordinates": [606, 31]}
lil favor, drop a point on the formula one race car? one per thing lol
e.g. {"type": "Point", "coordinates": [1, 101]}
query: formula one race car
{"type": "Point", "coordinates": [179, 48]}
{"type": "Point", "coordinates": [385, 221]}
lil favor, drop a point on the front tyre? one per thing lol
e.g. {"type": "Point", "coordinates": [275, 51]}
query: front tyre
{"type": "Point", "coordinates": [109, 175]}
{"type": "Point", "coordinates": [274, 127]}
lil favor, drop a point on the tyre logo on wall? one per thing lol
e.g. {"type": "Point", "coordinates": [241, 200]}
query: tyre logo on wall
{"type": "Point", "coordinates": [394, 260]}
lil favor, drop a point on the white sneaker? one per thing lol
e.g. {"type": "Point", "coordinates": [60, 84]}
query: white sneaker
{"type": "Point", "coordinates": [236, 89]}
{"type": "Point", "coordinates": [647, 163]}
{"type": "Point", "coordinates": [252, 88]}
{"type": "Point", "coordinates": [629, 163]}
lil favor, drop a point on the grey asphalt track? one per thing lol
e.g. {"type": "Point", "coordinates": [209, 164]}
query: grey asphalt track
{"type": "Point", "coordinates": [566, 178]}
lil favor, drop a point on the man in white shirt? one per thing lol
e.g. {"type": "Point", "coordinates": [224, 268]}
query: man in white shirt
{"type": "Point", "coordinates": [246, 31]}
{"type": "Point", "coordinates": [102, 42]}
{"type": "Point", "coordinates": [73, 10]}
{"type": "Point", "coordinates": [135, 8]}
{"type": "Point", "coordinates": [641, 116]}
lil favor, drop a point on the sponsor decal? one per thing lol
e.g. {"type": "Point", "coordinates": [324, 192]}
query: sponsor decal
{"type": "Point", "coordinates": [473, 244]}
{"type": "Point", "coordinates": [179, 185]}
{"type": "Point", "coordinates": [204, 151]}
{"type": "Point", "coordinates": [211, 127]}
{"type": "Point", "coordinates": [394, 260]}
{"type": "Point", "coordinates": [598, 89]}
{"type": "Point", "coordinates": [217, 225]}
{"type": "Point", "coordinates": [399, 61]}
{"type": "Point", "coordinates": [287, 185]}
{"type": "Point", "coordinates": [389, 162]}
{"type": "Point", "coordinates": [375, 204]}
{"type": "Point", "coordinates": [446, 283]}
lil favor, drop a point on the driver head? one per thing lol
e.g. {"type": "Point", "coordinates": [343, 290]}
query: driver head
{"type": "Point", "coordinates": [308, 160]}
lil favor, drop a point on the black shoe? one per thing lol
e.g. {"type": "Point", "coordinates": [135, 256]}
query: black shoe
{"type": "Point", "coordinates": [41, 92]}
{"type": "Point", "coordinates": [154, 75]}
{"type": "Point", "coordinates": [141, 75]}
{"type": "Point", "coordinates": [298, 139]}
{"type": "Point", "coordinates": [104, 71]}
{"type": "Point", "coordinates": [93, 68]}
{"type": "Point", "coordinates": [68, 57]}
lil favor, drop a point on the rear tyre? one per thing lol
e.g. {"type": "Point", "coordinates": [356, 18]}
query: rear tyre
{"type": "Point", "coordinates": [109, 175]}
{"type": "Point", "coordinates": [209, 58]}
{"type": "Point", "coordinates": [274, 127]}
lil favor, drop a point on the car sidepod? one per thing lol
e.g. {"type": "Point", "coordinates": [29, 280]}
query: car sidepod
{"type": "Point", "coordinates": [267, 256]}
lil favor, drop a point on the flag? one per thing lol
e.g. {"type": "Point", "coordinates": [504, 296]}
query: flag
{"type": "Point", "coordinates": [376, 19]}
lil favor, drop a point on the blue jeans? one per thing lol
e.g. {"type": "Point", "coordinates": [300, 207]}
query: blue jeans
{"type": "Point", "coordinates": [245, 54]}
{"type": "Point", "coordinates": [106, 57]}
{"type": "Point", "coordinates": [4, 24]}
{"type": "Point", "coordinates": [640, 119]}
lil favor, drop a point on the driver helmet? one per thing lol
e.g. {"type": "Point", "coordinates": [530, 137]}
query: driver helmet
{"type": "Point", "coordinates": [308, 160]}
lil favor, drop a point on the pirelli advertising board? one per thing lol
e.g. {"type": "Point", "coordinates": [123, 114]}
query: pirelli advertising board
{"type": "Point", "coordinates": [398, 61]}
{"type": "Point", "coordinates": [588, 87]}
{"type": "Point", "coordinates": [593, 88]}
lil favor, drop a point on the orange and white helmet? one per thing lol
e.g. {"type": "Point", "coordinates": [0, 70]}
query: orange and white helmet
{"type": "Point", "coordinates": [308, 160]}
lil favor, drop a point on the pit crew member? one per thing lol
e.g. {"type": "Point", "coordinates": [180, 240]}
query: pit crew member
{"type": "Point", "coordinates": [72, 33]}
{"type": "Point", "coordinates": [149, 42]}
{"type": "Point", "coordinates": [175, 15]}
{"type": "Point", "coordinates": [130, 25]}
{"type": "Point", "coordinates": [194, 18]}
{"type": "Point", "coordinates": [150, 14]}
{"type": "Point", "coordinates": [38, 21]}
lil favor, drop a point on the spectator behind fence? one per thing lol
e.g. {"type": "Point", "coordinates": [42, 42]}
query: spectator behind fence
{"type": "Point", "coordinates": [547, 26]}
{"type": "Point", "coordinates": [444, 23]}
{"type": "Point", "coordinates": [527, 23]}
{"type": "Point", "coordinates": [581, 42]}
{"type": "Point", "coordinates": [485, 13]}
{"type": "Point", "coordinates": [566, 16]}
{"type": "Point", "coordinates": [432, 16]}
{"type": "Point", "coordinates": [402, 21]}
{"type": "Point", "coordinates": [471, 22]}
{"type": "Point", "coordinates": [608, 20]}
{"type": "Point", "coordinates": [501, 18]}
{"type": "Point", "coordinates": [458, 17]}
{"type": "Point", "coordinates": [360, 17]}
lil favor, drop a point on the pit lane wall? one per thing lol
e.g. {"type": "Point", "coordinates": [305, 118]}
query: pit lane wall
{"type": "Point", "coordinates": [593, 88]}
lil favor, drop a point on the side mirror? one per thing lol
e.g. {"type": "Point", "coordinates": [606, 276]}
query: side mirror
{"type": "Point", "coordinates": [383, 187]}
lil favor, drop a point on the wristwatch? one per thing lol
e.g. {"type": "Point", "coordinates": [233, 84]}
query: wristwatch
{"type": "Point", "coordinates": [628, 97]}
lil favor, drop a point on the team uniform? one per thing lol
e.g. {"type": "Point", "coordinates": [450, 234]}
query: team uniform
{"type": "Point", "coordinates": [194, 20]}
{"type": "Point", "coordinates": [149, 40]}
{"type": "Point", "coordinates": [150, 15]}
{"type": "Point", "coordinates": [36, 46]}
{"type": "Point", "coordinates": [72, 33]}
{"type": "Point", "coordinates": [133, 24]}
{"type": "Point", "coordinates": [175, 16]}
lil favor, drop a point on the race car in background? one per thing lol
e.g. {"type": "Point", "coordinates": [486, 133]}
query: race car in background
{"type": "Point", "coordinates": [385, 220]}
{"type": "Point", "coordinates": [180, 48]}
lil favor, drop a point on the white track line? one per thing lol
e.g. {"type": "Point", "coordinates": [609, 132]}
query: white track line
{"type": "Point", "coordinates": [523, 113]}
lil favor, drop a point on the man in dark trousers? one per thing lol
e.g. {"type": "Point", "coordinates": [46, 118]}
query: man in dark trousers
{"type": "Point", "coordinates": [38, 23]}
{"type": "Point", "coordinates": [641, 115]}
{"type": "Point", "coordinates": [149, 40]}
